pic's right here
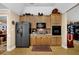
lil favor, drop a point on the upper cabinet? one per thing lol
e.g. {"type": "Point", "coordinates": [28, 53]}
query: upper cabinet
{"type": "Point", "coordinates": [53, 19]}
{"type": "Point", "coordinates": [56, 19]}
{"type": "Point", "coordinates": [35, 19]}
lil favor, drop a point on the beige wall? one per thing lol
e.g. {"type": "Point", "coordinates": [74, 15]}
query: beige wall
{"type": "Point", "coordinates": [11, 30]}
{"type": "Point", "coordinates": [64, 30]}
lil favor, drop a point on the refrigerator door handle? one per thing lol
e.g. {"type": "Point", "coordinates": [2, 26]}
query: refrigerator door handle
{"type": "Point", "coordinates": [21, 34]}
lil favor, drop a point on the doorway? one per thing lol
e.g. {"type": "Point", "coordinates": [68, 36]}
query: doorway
{"type": "Point", "coordinates": [3, 34]}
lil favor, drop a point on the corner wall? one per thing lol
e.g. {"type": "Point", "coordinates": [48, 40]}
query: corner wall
{"type": "Point", "coordinates": [11, 30]}
{"type": "Point", "coordinates": [64, 30]}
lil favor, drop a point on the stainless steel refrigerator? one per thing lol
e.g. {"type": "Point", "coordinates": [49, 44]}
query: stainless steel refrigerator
{"type": "Point", "coordinates": [22, 35]}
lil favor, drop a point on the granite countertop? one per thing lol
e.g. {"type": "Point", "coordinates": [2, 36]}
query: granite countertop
{"type": "Point", "coordinates": [40, 34]}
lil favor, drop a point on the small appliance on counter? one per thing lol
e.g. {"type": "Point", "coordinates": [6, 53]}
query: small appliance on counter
{"type": "Point", "coordinates": [41, 31]}
{"type": "Point", "coordinates": [33, 31]}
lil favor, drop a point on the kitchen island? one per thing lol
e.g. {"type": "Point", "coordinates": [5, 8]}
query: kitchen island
{"type": "Point", "coordinates": [41, 39]}
{"type": "Point", "coordinates": [45, 39]}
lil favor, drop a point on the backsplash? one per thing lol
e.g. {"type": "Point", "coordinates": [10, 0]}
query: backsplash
{"type": "Point", "coordinates": [40, 31]}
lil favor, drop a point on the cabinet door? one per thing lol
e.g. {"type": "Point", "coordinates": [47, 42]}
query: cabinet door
{"type": "Point", "coordinates": [53, 19]}
{"type": "Point", "coordinates": [33, 40]}
{"type": "Point", "coordinates": [32, 21]}
{"type": "Point", "coordinates": [43, 40]}
{"type": "Point", "coordinates": [58, 18]}
{"type": "Point", "coordinates": [48, 22]}
{"type": "Point", "coordinates": [53, 41]}
{"type": "Point", "coordinates": [22, 18]}
{"type": "Point", "coordinates": [38, 40]}
{"type": "Point", "coordinates": [58, 40]}
{"type": "Point", "coordinates": [48, 40]}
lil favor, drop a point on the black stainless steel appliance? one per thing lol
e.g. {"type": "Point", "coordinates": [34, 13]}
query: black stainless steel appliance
{"type": "Point", "coordinates": [22, 35]}
{"type": "Point", "coordinates": [56, 30]}
{"type": "Point", "coordinates": [41, 25]}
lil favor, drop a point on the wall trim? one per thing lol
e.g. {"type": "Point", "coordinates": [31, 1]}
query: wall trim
{"type": "Point", "coordinates": [64, 47]}
{"type": "Point", "coordinates": [10, 49]}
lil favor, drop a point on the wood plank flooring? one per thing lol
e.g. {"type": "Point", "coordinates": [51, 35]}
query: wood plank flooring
{"type": "Point", "coordinates": [56, 50]}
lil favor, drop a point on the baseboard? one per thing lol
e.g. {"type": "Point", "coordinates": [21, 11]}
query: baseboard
{"type": "Point", "coordinates": [10, 49]}
{"type": "Point", "coordinates": [64, 47]}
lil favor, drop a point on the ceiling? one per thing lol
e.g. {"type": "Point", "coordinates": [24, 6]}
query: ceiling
{"type": "Point", "coordinates": [19, 7]}
{"type": "Point", "coordinates": [39, 4]}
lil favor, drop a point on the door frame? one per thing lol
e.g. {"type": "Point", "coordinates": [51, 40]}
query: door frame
{"type": "Point", "coordinates": [6, 15]}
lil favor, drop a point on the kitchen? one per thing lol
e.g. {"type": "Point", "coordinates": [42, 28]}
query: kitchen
{"type": "Point", "coordinates": [45, 30]}
{"type": "Point", "coordinates": [38, 28]}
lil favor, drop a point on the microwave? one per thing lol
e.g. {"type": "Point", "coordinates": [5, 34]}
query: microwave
{"type": "Point", "coordinates": [41, 25]}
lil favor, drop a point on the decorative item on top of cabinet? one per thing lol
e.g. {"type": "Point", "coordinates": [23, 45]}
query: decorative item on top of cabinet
{"type": "Point", "coordinates": [55, 11]}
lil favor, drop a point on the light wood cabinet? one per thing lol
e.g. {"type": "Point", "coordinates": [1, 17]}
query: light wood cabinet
{"type": "Point", "coordinates": [45, 40]}
{"type": "Point", "coordinates": [34, 19]}
{"type": "Point", "coordinates": [48, 22]}
{"type": "Point", "coordinates": [38, 40]}
{"type": "Point", "coordinates": [41, 40]}
{"type": "Point", "coordinates": [33, 40]}
{"type": "Point", "coordinates": [53, 41]}
{"type": "Point", "coordinates": [22, 18]}
{"type": "Point", "coordinates": [56, 19]}
{"type": "Point", "coordinates": [56, 41]}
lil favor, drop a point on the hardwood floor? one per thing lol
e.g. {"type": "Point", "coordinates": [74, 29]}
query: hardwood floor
{"type": "Point", "coordinates": [56, 50]}
{"type": "Point", "coordinates": [1, 52]}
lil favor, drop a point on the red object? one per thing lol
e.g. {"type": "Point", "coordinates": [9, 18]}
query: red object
{"type": "Point", "coordinates": [70, 40]}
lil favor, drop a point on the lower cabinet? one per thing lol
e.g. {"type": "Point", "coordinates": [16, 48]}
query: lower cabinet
{"type": "Point", "coordinates": [45, 40]}
{"type": "Point", "coordinates": [53, 42]}
{"type": "Point", "coordinates": [38, 40]}
{"type": "Point", "coordinates": [41, 40]}
{"type": "Point", "coordinates": [33, 40]}
{"type": "Point", "coordinates": [56, 41]}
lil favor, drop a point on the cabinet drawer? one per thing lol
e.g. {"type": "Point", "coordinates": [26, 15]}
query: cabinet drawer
{"type": "Point", "coordinates": [38, 40]}
{"type": "Point", "coordinates": [33, 41]}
